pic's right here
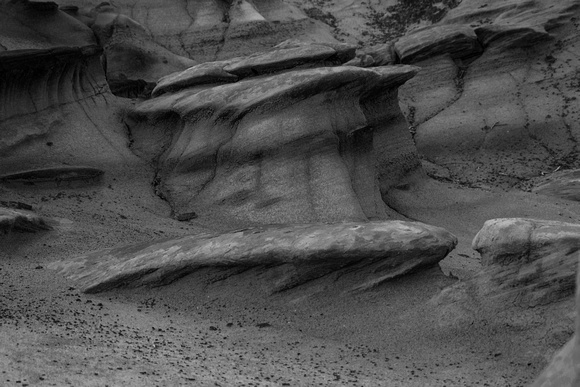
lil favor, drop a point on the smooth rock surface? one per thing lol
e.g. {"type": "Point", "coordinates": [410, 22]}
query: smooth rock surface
{"type": "Point", "coordinates": [322, 144]}
{"type": "Point", "coordinates": [308, 251]}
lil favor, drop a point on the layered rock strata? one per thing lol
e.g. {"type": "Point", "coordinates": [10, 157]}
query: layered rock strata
{"type": "Point", "coordinates": [505, 114]}
{"type": "Point", "coordinates": [21, 220]}
{"type": "Point", "coordinates": [56, 109]}
{"type": "Point", "coordinates": [292, 255]}
{"type": "Point", "coordinates": [527, 263]}
{"type": "Point", "coordinates": [133, 62]}
{"type": "Point", "coordinates": [212, 30]}
{"type": "Point", "coordinates": [319, 144]}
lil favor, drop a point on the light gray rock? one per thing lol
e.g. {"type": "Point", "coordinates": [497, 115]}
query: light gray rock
{"type": "Point", "coordinates": [532, 262]}
{"type": "Point", "coordinates": [458, 41]}
{"type": "Point", "coordinates": [301, 252]}
{"type": "Point", "coordinates": [279, 59]}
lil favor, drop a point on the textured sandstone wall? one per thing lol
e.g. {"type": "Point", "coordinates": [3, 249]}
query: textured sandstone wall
{"type": "Point", "coordinates": [56, 108]}
{"type": "Point", "coordinates": [320, 144]}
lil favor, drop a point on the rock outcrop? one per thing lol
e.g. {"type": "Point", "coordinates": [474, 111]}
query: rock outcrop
{"type": "Point", "coordinates": [564, 184]}
{"type": "Point", "coordinates": [296, 254]}
{"type": "Point", "coordinates": [133, 62]}
{"type": "Point", "coordinates": [21, 220]}
{"type": "Point", "coordinates": [564, 369]}
{"type": "Point", "coordinates": [531, 262]}
{"type": "Point", "coordinates": [505, 115]}
{"type": "Point", "coordinates": [308, 145]}
{"type": "Point", "coordinates": [56, 109]}
{"type": "Point", "coordinates": [212, 30]}
{"type": "Point", "coordinates": [527, 264]}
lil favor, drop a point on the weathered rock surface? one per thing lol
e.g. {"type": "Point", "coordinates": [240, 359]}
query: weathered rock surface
{"type": "Point", "coordinates": [308, 145]}
{"type": "Point", "coordinates": [286, 56]}
{"type": "Point", "coordinates": [133, 61]}
{"type": "Point", "coordinates": [211, 30]}
{"type": "Point", "coordinates": [532, 262]}
{"type": "Point", "coordinates": [564, 369]}
{"type": "Point", "coordinates": [456, 41]}
{"type": "Point", "coordinates": [507, 115]}
{"type": "Point", "coordinates": [56, 109]}
{"type": "Point", "coordinates": [297, 253]}
{"type": "Point", "coordinates": [58, 175]}
{"type": "Point", "coordinates": [21, 220]}
{"type": "Point", "coordinates": [563, 184]}
{"type": "Point", "coordinates": [527, 263]}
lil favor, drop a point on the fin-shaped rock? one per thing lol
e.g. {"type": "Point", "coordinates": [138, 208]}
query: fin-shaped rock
{"type": "Point", "coordinates": [311, 251]}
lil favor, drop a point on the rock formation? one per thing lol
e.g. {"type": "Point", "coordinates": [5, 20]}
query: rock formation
{"type": "Point", "coordinates": [211, 30]}
{"type": "Point", "coordinates": [319, 144]}
{"type": "Point", "coordinates": [527, 279]}
{"type": "Point", "coordinates": [504, 115]}
{"type": "Point", "coordinates": [526, 263]}
{"type": "Point", "coordinates": [296, 254]}
{"type": "Point", "coordinates": [56, 109]}
{"type": "Point", "coordinates": [21, 220]}
{"type": "Point", "coordinates": [133, 62]}
{"type": "Point", "coordinates": [564, 184]}
{"type": "Point", "coordinates": [564, 370]}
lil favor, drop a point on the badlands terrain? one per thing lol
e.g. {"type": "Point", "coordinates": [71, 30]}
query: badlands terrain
{"type": "Point", "coordinates": [289, 193]}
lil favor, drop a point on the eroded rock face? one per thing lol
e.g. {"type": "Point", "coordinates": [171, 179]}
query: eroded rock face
{"type": "Point", "coordinates": [56, 109]}
{"type": "Point", "coordinates": [563, 184]}
{"type": "Point", "coordinates": [132, 60]}
{"type": "Point", "coordinates": [211, 30]}
{"type": "Point", "coordinates": [532, 262]}
{"type": "Point", "coordinates": [527, 263]}
{"type": "Point", "coordinates": [21, 220]}
{"type": "Point", "coordinates": [505, 116]}
{"type": "Point", "coordinates": [319, 144]}
{"type": "Point", "coordinates": [296, 254]}
{"type": "Point", "coordinates": [564, 369]}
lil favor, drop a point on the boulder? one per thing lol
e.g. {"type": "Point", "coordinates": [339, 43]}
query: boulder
{"type": "Point", "coordinates": [21, 220]}
{"type": "Point", "coordinates": [564, 369]}
{"type": "Point", "coordinates": [308, 145]}
{"type": "Point", "coordinates": [298, 253]}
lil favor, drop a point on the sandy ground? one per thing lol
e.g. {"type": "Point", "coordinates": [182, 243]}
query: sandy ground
{"type": "Point", "coordinates": [212, 329]}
